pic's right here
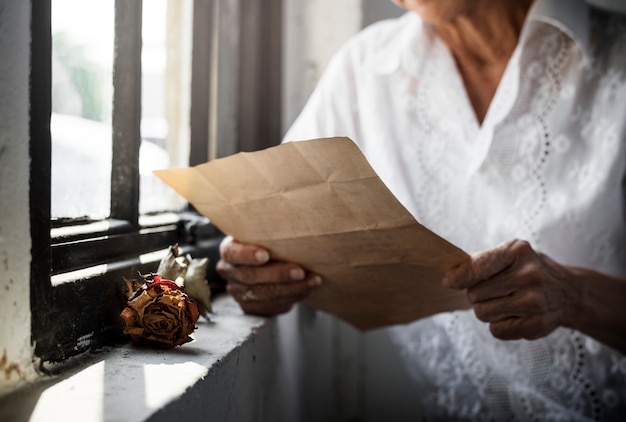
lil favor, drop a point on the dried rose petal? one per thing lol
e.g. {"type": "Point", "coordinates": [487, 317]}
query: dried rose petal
{"type": "Point", "coordinates": [197, 286]}
{"type": "Point", "coordinates": [170, 266]}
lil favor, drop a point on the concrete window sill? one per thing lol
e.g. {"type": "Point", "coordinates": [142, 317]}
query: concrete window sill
{"type": "Point", "coordinates": [134, 384]}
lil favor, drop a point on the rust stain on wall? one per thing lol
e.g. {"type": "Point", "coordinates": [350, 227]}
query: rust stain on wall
{"type": "Point", "coordinates": [9, 367]}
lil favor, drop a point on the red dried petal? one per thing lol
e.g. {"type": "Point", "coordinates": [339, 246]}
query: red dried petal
{"type": "Point", "coordinates": [167, 283]}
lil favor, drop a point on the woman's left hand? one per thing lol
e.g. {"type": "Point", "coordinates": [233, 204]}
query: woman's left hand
{"type": "Point", "coordinates": [521, 293]}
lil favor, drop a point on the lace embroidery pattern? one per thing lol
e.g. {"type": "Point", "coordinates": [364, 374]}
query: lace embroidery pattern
{"type": "Point", "coordinates": [546, 380]}
{"type": "Point", "coordinates": [553, 73]}
{"type": "Point", "coordinates": [467, 374]}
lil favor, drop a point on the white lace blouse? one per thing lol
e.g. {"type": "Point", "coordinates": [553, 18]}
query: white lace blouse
{"type": "Point", "coordinates": [547, 165]}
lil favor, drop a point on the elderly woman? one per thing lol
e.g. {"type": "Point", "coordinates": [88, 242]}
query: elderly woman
{"type": "Point", "coordinates": [491, 121]}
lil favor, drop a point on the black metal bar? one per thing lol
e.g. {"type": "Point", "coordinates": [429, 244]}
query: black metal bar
{"type": "Point", "coordinates": [270, 123]}
{"type": "Point", "coordinates": [260, 73]}
{"type": "Point", "coordinates": [126, 111]}
{"type": "Point", "coordinates": [40, 173]}
{"type": "Point", "coordinates": [76, 255]}
{"type": "Point", "coordinates": [203, 30]}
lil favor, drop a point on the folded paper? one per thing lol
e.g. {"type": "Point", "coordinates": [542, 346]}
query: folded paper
{"type": "Point", "coordinates": [320, 204]}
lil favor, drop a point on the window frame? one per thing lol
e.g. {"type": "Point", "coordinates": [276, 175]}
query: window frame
{"type": "Point", "coordinates": [240, 86]}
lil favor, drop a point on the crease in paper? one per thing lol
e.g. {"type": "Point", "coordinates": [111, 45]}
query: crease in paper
{"type": "Point", "coordinates": [320, 204]}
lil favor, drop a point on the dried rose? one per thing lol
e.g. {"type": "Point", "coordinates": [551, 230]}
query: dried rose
{"type": "Point", "coordinates": [160, 313]}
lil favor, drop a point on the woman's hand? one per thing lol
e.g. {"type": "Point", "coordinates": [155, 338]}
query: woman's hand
{"type": "Point", "coordinates": [260, 285]}
{"type": "Point", "coordinates": [518, 291]}
{"type": "Point", "coordinates": [524, 294]}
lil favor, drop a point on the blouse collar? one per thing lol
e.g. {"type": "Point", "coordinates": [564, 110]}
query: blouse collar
{"type": "Point", "coordinates": [569, 16]}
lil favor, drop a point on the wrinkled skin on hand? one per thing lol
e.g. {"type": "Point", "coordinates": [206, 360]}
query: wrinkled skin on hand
{"type": "Point", "coordinates": [260, 285]}
{"type": "Point", "coordinates": [518, 291]}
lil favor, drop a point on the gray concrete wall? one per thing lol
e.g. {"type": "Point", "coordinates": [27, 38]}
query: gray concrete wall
{"type": "Point", "coordinates": [344, 374]}
{"type": "Point", "coordinates": [15, 353]}
{"type": "Point", "coordinates": [314, 30]}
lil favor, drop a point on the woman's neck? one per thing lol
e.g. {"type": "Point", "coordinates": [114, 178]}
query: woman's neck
{"type": "Point", "coordinates": [482, 41]}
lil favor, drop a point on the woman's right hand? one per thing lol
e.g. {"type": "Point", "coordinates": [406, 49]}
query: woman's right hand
{"type": "Point", "coordinates": [260, 285]}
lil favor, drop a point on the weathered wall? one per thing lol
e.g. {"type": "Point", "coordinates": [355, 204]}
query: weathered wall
{"type": "Point", "coordinates": [15, 352]}
{"type": "Point", "coordinates": [313, 31]}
